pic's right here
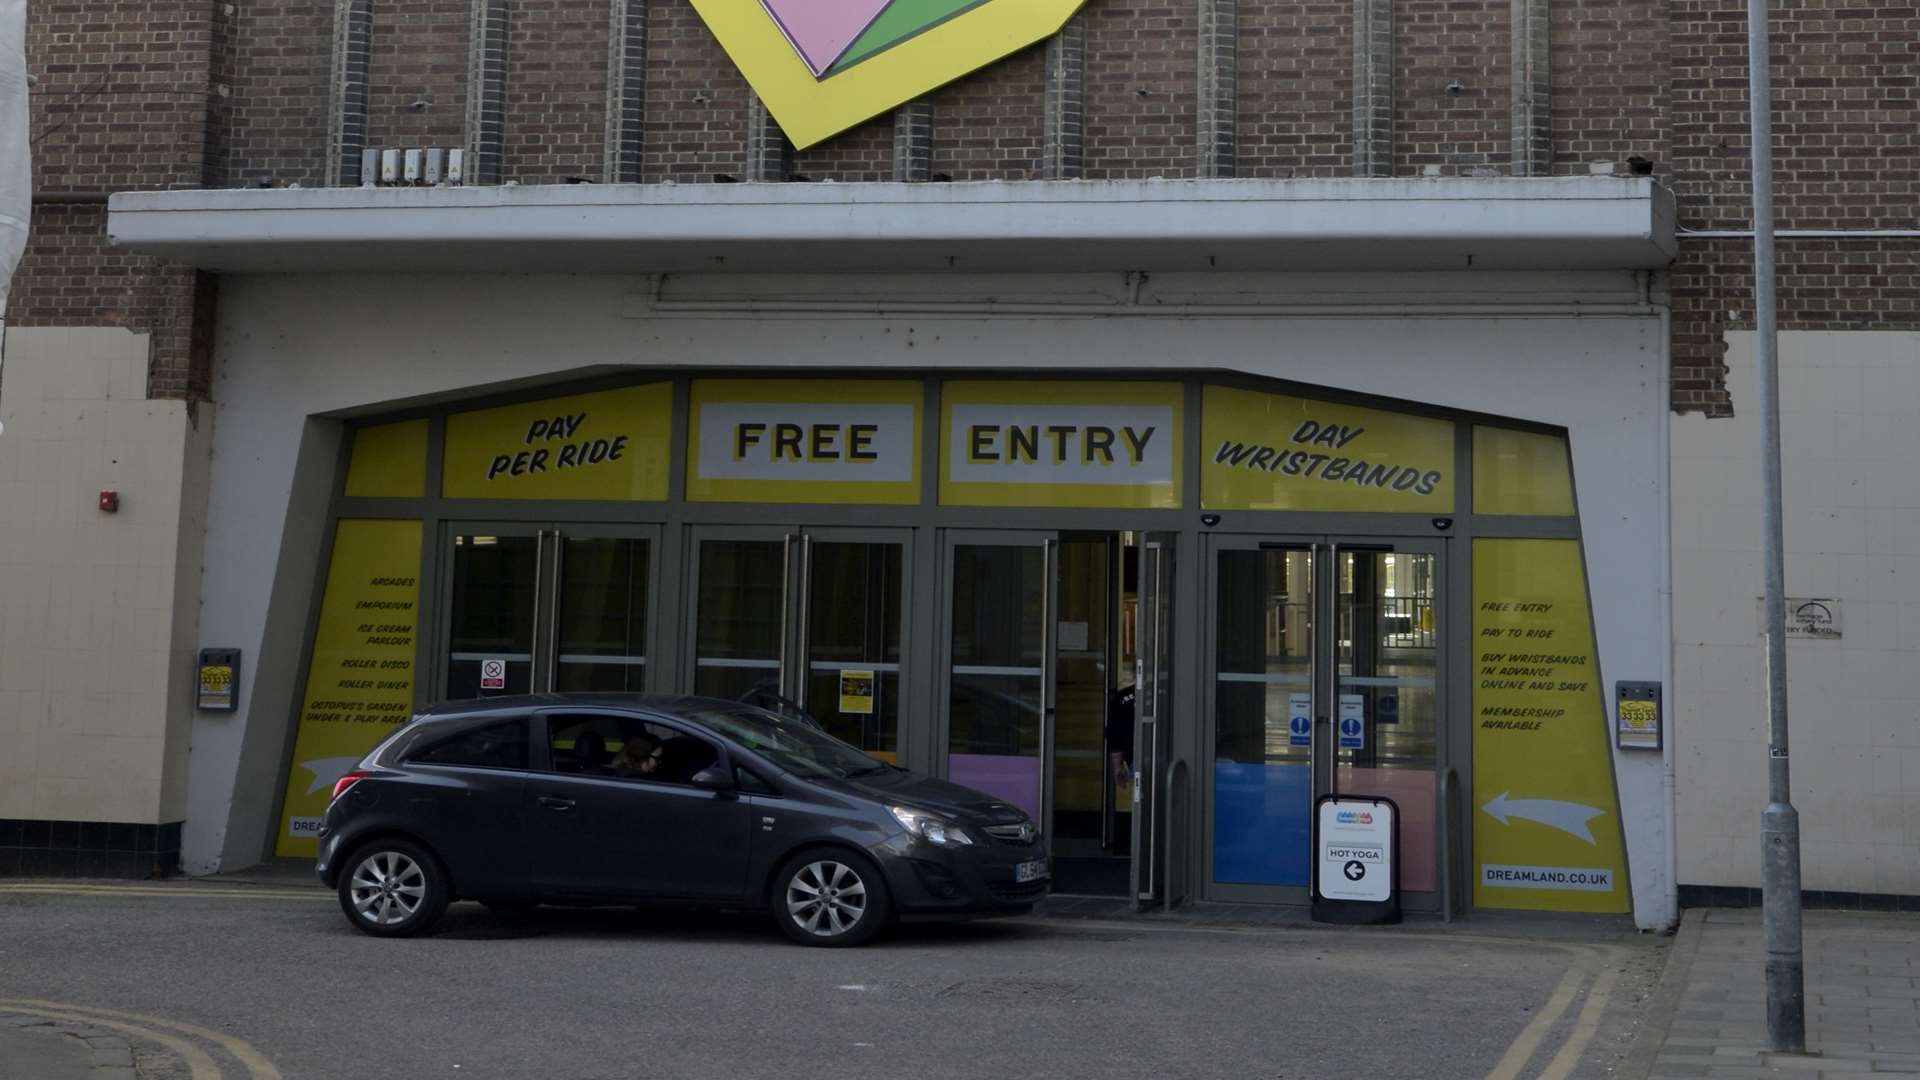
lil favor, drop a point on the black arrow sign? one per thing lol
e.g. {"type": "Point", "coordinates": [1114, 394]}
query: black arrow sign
{"type": "Point", "coordinates": [1355, 870]}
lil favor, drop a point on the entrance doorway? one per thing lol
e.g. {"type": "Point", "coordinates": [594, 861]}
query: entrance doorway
{"type": "Point", "coordinates": [805, 619]}
{"type": "Point", "coordinates": [1328, 677]}
{"type": "Point", "coordinates": [543, 608]}
{"type": "Point", "coordinates": [1040, 657]}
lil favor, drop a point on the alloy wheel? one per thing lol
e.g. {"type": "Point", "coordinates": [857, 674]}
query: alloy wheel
{"type": "Point", "coordinates": [826, 898]}
{"type": "Point", "coordinates": [387, 888]}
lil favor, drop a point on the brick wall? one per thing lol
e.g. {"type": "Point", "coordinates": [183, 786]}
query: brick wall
{"type": "Point", "coordinates": [556, 91]}
{"type": "Point", "coordinates": [1611, 73]}
{"type": "Point", "coordinates": [1439, 43]}
{"type": "Point", "coordinates": [121, 102]}
{"type": "Point", "coordinates": [1142, 67]}
{"type": "Point", "coordinates": [277, 93]}
{"type": "Point", "coordinates": [696, 105]}
{"type": "Point", "coordinates": [417, 75]}
{"type": "Point", "coordinates": [1296, 88]}
{"type": "Point", "coordinates": [137, 95]}
{"type": "Point", "coordinates": [1845, 157]}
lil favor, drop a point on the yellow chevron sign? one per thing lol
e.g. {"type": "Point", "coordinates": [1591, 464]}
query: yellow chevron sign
{"type": "Point", "coordinates": [822, 66]}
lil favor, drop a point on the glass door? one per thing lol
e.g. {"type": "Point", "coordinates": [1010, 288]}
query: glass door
{"type": "Point", "coordinates": [806, 620]}
{"type": "Point", "coordinates": [999, 665]}
{"type": "Point", "coordinates": [539, 608]}
{"type": "Point", "coordinates": [1326, 657]}
{"type": "Point", "coordinates": [494, 595]}
{"type": "Point", "coordinates": [1386, 676]}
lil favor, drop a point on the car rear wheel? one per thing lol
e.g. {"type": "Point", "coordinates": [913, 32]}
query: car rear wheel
{"type": "Point", "coordinates": [830, 898]}
{"type": "Point", "coordinates": [393, 888]}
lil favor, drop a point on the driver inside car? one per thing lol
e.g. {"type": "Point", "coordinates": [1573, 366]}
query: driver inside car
{"type": "Point", "coordinates": [640, 754]}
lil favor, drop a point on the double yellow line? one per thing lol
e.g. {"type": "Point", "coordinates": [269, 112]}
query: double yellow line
{"type": "Point", "coordinates": [1600, 964]}
{"type": "Point", "coordinates": [201, 1064]}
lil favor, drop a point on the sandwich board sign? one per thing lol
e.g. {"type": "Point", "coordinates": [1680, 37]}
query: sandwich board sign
{"type": "Point", "coordinates": [1356, 841]}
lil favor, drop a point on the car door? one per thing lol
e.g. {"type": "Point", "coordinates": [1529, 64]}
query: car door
{"type": "Point", "coordinates": [466, 800]}
{"type": "Point", "coordinates": [594, 832]}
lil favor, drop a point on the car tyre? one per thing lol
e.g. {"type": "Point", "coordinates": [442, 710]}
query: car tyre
{"type": "Point", "coordinates": [393, 888]}
{"type": "Point", "coordinates": [830, 898]}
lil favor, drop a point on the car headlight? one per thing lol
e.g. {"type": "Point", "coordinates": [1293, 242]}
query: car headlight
{"type": "Point", "coordinates": [929, 827]}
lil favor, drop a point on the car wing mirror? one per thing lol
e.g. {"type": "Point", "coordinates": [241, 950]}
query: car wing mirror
{"type": "Point", "coordinates": [713, 778]}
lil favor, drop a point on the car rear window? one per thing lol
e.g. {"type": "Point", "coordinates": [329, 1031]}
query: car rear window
{"type": "Point", "coordinates": [494, 746]}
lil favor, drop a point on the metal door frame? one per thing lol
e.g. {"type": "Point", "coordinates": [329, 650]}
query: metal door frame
{"type": "Point", "coordinates": [787, 535]}
{"type": "Point", "coordinates": [1048, 541]}
{"type": "Point", "coordinates": [443, 594]}
{"type": "Point", "coordinates": [1323, 660]}
{"type": "Point", "coordinates": [564, 531]}
{"type": "Point", "coordinates": [801, 632]}
{"type": "Point", "coordinates": [549, 557]}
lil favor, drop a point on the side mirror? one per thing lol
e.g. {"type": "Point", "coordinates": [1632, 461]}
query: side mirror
{"type": "Point", "coordinates": [713, 778]}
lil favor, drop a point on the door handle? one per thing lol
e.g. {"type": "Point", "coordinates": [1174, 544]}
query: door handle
{"type": "Point", "coordinates": [554, 802]}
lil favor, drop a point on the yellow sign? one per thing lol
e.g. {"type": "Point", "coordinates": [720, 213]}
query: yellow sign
{"type": "Point", "coordinates": [1039, 443]}
{"type": "Point", "coordinates": [1520, 472]}
{"type": "Point", "coordinates": [613, 444]}
{"type": "Point", "coordinates": [360, 681]}
{"type": "Point", "coordinates": [389, 461]}
{"type": "Point", "coordinates": [804, 441]}
{"type": "Point", "coordinates": [1546, 818]}
{"type": "Point", "coordinates": [1276, 452]}
{"type": "Point", "coordinates": [856, 692]}
{"type": "Point", "coordinates": [822, 66]}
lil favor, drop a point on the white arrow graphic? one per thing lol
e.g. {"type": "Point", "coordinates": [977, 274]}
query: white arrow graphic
{"type": "Point", "coordinates": [327, 771]}
{"type": "Point", "coordinates": [1568, 817]}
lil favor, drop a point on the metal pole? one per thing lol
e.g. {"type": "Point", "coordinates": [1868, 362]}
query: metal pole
{"type": "Point", "coordinates": [1780, 824]}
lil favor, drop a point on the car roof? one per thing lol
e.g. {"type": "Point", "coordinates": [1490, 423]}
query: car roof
{"type": "Point", "coordinates": [670, 704]}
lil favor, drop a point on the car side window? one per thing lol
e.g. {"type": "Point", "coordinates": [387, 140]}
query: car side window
{"type": "Point", "coordinates": [493, 746]}
{"type": "Point", "coordinates": [626, 747]}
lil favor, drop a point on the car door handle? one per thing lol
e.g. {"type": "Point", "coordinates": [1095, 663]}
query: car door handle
{"type": "Point", "coordinates": [554, 802]}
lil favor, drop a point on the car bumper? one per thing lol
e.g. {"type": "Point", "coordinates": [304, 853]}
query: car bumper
{"type": "Point", "coordinates": [930, 881]}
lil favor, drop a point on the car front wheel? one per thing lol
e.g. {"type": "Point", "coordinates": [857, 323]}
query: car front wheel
{"type": "Point", "coordinates": [830, 898]}
{"type": "Point", "coordinates": [393, 888]}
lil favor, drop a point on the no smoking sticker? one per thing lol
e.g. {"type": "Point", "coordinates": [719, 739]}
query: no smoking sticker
{"type": "Point", "coordinates": [493, 674]}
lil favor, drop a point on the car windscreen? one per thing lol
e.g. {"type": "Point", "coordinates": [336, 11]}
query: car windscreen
{"type": "Point", "coordinates": [790, 743]}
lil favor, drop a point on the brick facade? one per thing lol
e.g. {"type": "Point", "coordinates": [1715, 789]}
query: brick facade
{"type": "Point", "coordinates": [138, 96]}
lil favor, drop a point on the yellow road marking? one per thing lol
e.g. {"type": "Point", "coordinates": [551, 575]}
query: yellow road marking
{"type": "Point", "coordinates": [199, 1065]}
{"type": "Point", "coordinates": [255, 1062]}
{"type": "Point", "coordinates": [1531, 1036]}
{"type": "Point", "coordinates": [1584, 1027]}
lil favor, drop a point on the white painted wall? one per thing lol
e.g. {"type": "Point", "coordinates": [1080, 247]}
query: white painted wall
{"type": "Point", "coordinates": [1850, 425]}
{"type": "Point", "coordinates": [97, 610]}
{"type": "Point", "coordinates": [291, 347]}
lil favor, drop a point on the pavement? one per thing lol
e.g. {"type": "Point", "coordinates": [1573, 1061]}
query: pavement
{"type": "Point", "coordinates": [262, 979]}
{"type": "Point", "coordinates": [1708, 1019]}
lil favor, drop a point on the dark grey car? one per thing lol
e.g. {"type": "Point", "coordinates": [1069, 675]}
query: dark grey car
{"type": "Point", "coordinates": [651, 799]}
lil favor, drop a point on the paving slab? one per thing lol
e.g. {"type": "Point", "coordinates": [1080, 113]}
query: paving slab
{"type": "Point", "coordinates": [1863, 1000]}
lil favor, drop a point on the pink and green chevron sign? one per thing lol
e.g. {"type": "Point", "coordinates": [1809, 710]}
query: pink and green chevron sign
{"type": "Point", "coordinates": [822, 66]}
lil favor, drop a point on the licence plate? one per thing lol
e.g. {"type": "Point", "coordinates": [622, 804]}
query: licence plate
{"type": "Point", "coordinates": [1030, 871]}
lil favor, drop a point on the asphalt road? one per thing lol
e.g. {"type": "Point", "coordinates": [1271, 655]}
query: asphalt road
{"type": "Point", "coordinates": [613, 994]}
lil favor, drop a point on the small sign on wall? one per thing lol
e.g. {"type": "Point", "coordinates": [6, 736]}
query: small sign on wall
{"type": "Point", "coordinates": [218, 682]}
{"type": "Point", "coordinates": [1636, 712]}
{"type": "Point", "coordinates": [1808, 617]}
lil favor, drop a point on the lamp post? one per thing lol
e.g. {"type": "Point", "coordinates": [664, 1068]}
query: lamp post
{"type": "Point", "coordinates": [1780, 823]}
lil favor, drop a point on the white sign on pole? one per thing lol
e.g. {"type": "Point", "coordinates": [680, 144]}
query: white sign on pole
{"type": "Point", "coordinates": [1355, 856]}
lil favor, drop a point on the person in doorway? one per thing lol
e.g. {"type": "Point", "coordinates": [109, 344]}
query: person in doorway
{"type": "Point", "coordinates": [640, 754]}
{"type": "Point", "coordinates": [1119, 733]}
